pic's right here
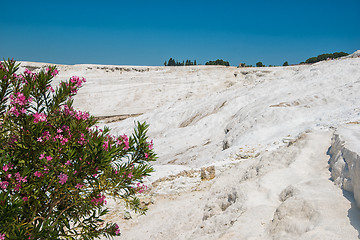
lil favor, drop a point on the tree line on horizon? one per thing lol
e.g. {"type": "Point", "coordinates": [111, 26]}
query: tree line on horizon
{"type": "Point", "coordinates": [321, 57]}
{"type": "Point", "coordinates": [325, 56]}
{"type": "Point", "coordinates": [172, 62]}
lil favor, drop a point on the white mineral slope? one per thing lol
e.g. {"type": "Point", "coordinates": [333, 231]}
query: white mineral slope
{"type": "Point", "coordinates": [285, 194]}
{"type": "Point", "coordinates": [266, 130]}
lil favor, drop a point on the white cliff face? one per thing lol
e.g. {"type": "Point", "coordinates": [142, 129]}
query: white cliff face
{"type": "Point", "coordinates": [345, 159]}
{"type": "Point", "coordinates": [243, 152]}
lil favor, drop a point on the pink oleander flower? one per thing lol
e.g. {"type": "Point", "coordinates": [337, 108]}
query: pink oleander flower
{"type": "Point", "coordinates": [2, 236]}
{"type": "Point", "coordinates": [4, 185]}
{"type": "Point", "coordinates": [19, 98]}
{"type": "Point", "coordinates": [14, 111]}
{"type": "Point", "coordinates": [56, 72]}
{"type": "Point", "coordinates": [25, 199]}
{"type": "Point", "coordinates": [49, 158]}
{"type": "Point", "coordinates": [8, 166]}
{"type": "Point", "coordinates": [99, 200]}
{"type": "Point", "coordinates": [130, 175]}
{"type": "Point", "coordinates": [46, 135]}
{"type": "Point", "coordinates": [39, 117]}
{"type": "Point", "coordinates": [117, 230]}
{"type": "Point", "coordinates": [151, 145]}
{"type": "Point", "coordinates": [125, 140]}
{"type": "Point", "coordinates": [27, 71]}
{"type": "Point", "coordinates": [146, 155]}
{"type": "Point", "coordinates": [42, 156]}
{"type": "Point", "coordinates": [79, 185]}
{"type": "Point", "coordinates": [5, 168]}
{"type": "Point", "coordinates": [140, 187]}
{"type": "Point", "coordinates": [39, 139]}
{"type": "Point", "coordinates": [106, 145]}
{"type": "Point", "coordinates": [63, 178]}
{"type": "Point", "coordinates": [64, 141]}
{"type": "Point", "coordinates": [68, 163]}
{"type": "Point", "coordinates": [51, 89]}
{"type": "Point", "coordinates": [38, 174]}
{"type": "Point", "coordinates": [17, 187]}
{"type": "Point", "coordinates": [19, 178]}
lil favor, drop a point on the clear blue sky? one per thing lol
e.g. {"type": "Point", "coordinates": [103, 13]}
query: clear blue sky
{"type": "Point", "coordinates": [137, 32]}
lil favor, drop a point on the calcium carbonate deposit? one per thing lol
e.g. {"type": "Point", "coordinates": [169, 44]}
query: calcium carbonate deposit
{"type": "Point", "coordinates": [244, 153]}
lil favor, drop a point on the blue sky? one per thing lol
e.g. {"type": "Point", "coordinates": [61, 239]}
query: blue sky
{"type": "Point", "coordinates": [137, 32]}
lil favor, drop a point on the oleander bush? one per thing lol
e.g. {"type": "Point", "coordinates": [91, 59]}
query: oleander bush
{"type": "Point", "coordinates": [56, 166]}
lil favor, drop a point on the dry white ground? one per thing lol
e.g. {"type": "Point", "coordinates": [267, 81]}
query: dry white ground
{"type": "Point", "coordinates": [243, 152]}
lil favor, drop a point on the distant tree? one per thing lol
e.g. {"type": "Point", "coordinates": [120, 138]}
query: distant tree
{"type": "Point", "coordinates": [165, 63]}
{"type": "Point", "coordinates": [195, 62]}
{"type": "Point", "coordinates": [171, 62]}
{"type": "Point", "coordinates": [218, 62]}
{"type": "Point", "coordinates": [259, 64]}
{"type": "Point", "coordinates": [286, 64]}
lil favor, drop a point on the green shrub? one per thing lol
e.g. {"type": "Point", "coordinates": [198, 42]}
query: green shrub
{"type": "Point", "coordinates": [326, 56]}
{"type": "Point", "coordinates": [56, 168]}
{"type": "Point", "coordinates": [218, 62]}
{"type": "Point", "coordinates": [259, 64]}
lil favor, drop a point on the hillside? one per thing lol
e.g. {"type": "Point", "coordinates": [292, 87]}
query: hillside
{"type": "Point", "coordinates": [243, 152]}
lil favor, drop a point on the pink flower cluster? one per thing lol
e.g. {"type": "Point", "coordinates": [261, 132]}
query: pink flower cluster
{"type": "Point", "coordinates": [63, 140]}
{"type": "Point", "coordinates": [79, 185]}
{"type": "Point", "coordinates": [78, 82]}
{"type": "Point", "coordinates": [45, 136]}
{"type": "Point", "coordinates": [151, 145]}
{"type": "Point", "coordinates": [2, 236]}
{"type": "Point", "coordinates": [19, 178]}
{"type": "Point", "coordinates": [63, 178]}
{"type": "Point", "coordinates": [48, 158]}
{"type": "Point", "coordinates": [27, 71]}
{"type": "Point", "coordinates": [77, 114]}
{"type": "Point", "coordinates": [19, 98]}
{"type": "Point", "coordinates": [117, 230]}
{"type": "Point", "coordinates": [106, 145]}
{"type": "Point", "coordinates": [123, 139]}
{"type": "Point", "coordinates": [38, 174]}
{"type": "Point", "coordinates": [140, 187]}
{"type": "Point", "coordinates": [54, 73]}
{"type": "Point", "coordinates": [99, 200]}
{"type": "Point", "coordinates": [4, 184]}
{"type": "Point", "coordinates": [8, 166]}
{"type": "Point", "coordinates": [82, 140]}
{"type": "Point", "coordinates": [39, 117]}
{"type": "Point", "coordinates": [50, 88]}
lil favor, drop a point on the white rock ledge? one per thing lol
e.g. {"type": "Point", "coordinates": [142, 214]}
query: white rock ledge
{"type": "Point", "coordinates": [344, 162]}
